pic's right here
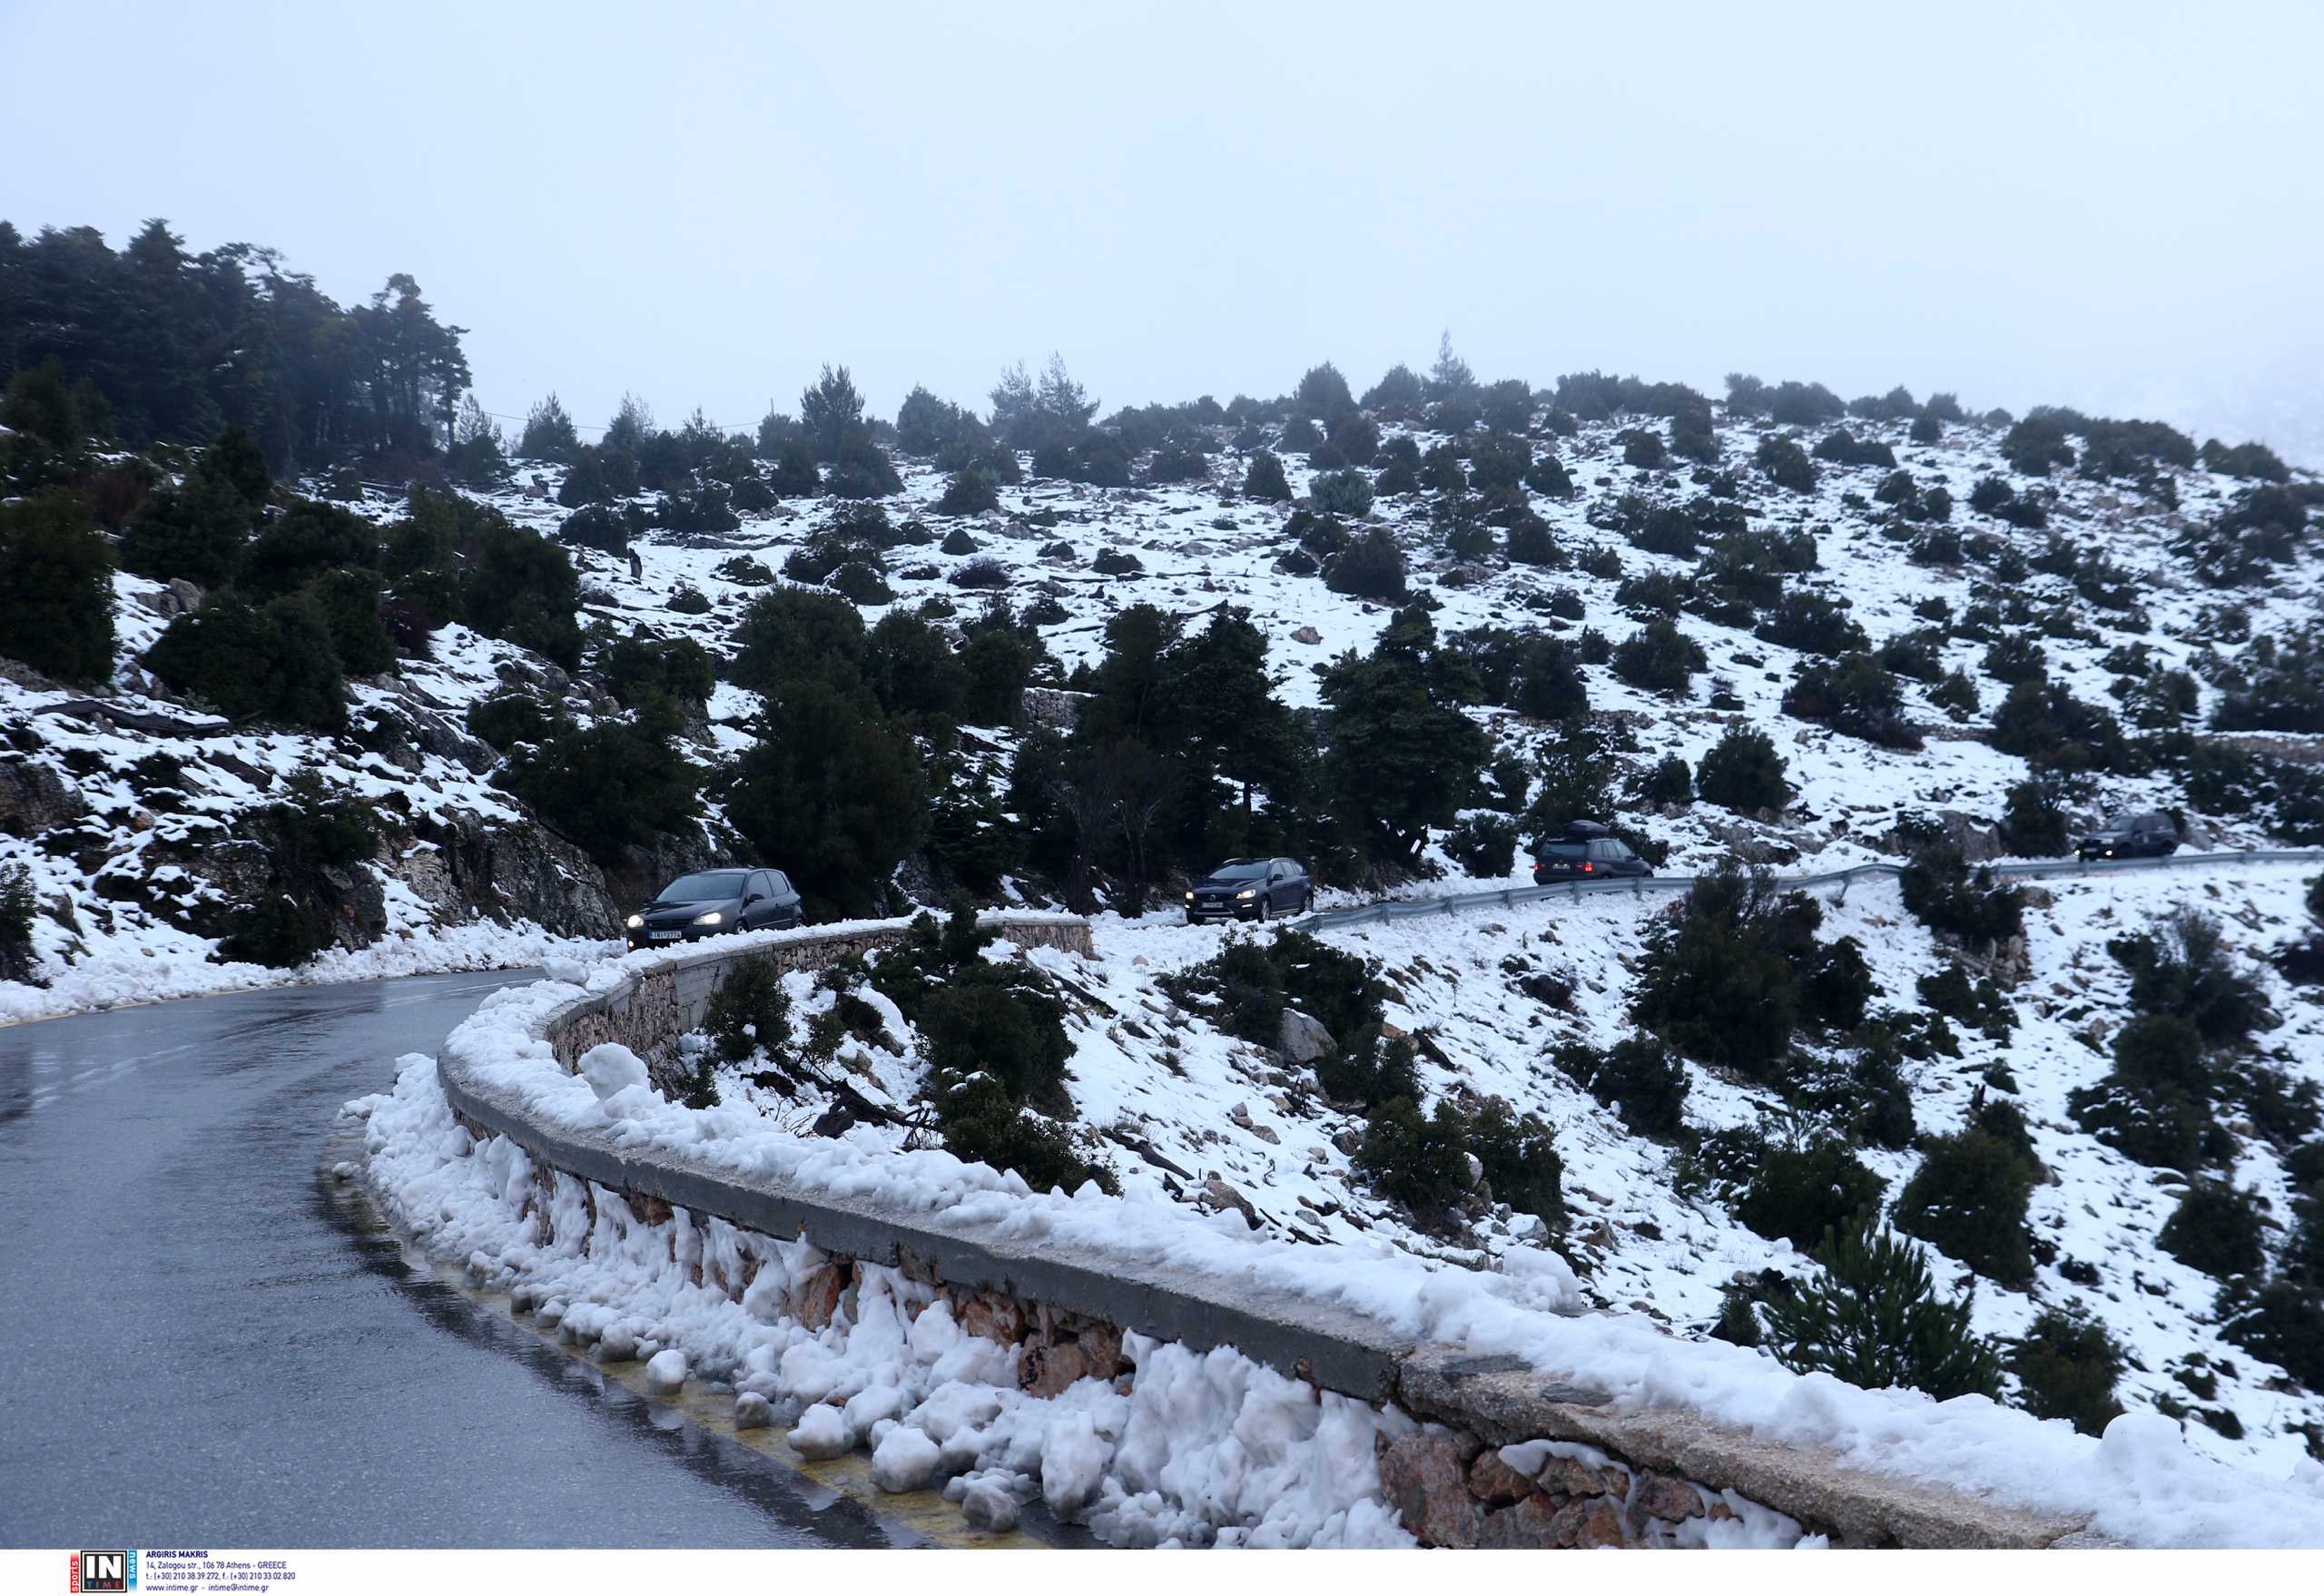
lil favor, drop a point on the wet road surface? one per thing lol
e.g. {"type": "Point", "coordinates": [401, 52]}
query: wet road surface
{"type": "Point", "coordinates": [203, 1349]}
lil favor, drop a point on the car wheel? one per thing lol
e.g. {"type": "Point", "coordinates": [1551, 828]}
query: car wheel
{"type": "Point", "coordinates": [1267, 907]}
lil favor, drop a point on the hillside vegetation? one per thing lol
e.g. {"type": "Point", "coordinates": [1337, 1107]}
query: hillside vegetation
{"type": "Point", "coordinates": [303, 660]}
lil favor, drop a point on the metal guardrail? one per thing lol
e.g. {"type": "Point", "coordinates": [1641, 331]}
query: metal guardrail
{"type": "Point", "coordinates": [2008, 869]}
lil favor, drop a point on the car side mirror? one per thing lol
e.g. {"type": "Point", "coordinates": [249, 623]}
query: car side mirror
{"type": "Point", "coordinates": [754, 898]}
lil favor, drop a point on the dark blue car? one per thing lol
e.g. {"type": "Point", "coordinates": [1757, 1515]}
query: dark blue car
{"type": "Point", "coordinates": [712, 903]}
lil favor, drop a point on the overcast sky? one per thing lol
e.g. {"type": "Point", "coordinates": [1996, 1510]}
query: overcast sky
{"type": "Point", "coordinates": [2110, 204]}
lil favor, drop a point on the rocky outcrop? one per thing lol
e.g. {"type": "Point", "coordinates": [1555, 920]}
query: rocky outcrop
{"type": "Point", "coordinates": [1054, 708]}
{"type": "Point", "coordinates": [34, 798]}
{"type": "Point", "coordinates": [1301, 1038]}
{"type": "Point", "coordinates": [510, 873]}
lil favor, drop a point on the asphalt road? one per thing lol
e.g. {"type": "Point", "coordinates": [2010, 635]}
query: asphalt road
{"type": "Point", "coordinates": [203, 1349]}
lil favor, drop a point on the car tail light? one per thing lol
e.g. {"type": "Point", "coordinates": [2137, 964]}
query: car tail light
{"type": "Point", "coordinates": [1586, 867]}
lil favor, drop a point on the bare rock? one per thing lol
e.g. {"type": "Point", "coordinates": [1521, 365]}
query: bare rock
{"type": "Point", "coordinates": [1302, 1038]}
{"type": "Point", "coordinates": [997, 1319]}
{"type": "Point", "coordinates": [1046, 1370]}
{"type": "Point", "coordinates": [1535, 1525]}
{"type": "Point", "coordinates": [1663, 1497]}
{"type": "Point", "coordinates": [818, 1297]}
{"type": "Point", "coordinates": [1220, 1196]}
{"type": "Point", "coordinates": [1570, 1476]}
{"type": "Point", "coordinates": [34, 798]}
{"type": "Point", "coordinates": [1592, 1522]}
{"type": "Point", "coordinates": [1425, 1478]}
{"type": "Point", "coordinates": [1307, 634]}
{"type": "Point", "coordinates": [1494, 1482]}
{"type": "Point", "coordinates": [1240, 1115]}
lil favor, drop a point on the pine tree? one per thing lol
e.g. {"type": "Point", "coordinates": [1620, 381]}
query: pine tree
{"type": "Point", "coordinates": [1874, 1319]}
{"type": "Point", "coordinates": [830, 410]}
{"type": "Point", "coordinates": [549, 433]}
{"type": "Point", "coordinates": [2066, 1367]}
{"type": "Point", "coordinates": [55, 588]}
{"type": "Point", "coordinates": [1403, 755]}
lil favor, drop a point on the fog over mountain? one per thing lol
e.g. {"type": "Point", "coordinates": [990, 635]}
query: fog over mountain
{"type": "Point", "coordinates": [2114, 210]}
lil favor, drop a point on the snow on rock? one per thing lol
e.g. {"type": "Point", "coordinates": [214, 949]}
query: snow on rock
{"type": "Point", "coordinates": [904, 1461]}
{"type": "Point", "coordinates": [610, 1068]}
{"type": "Point", "coordinates": [822, 1432]}
{"type": "Point", "coordinates": [987, 1503]}
{"type": "Point", "coordinates": [666, 1372]}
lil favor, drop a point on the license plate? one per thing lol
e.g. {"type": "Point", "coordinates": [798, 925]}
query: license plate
{"type": "Point", "coordinates": [662, 936]}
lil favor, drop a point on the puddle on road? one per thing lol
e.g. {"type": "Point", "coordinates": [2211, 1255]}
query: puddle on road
{"type": "Point", "coordinates": [914, 1518]}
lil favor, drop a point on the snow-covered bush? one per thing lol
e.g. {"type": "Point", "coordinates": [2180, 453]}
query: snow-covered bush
{"type": "Point", "coordinates": [1660, 658]}
{"type": "Point", "coordinates": [1265, 479]}
{"type": "Point", "coordinates": [1370, 567]}
{"type": "Point", "coordinates": [2067, 1366]}
{"type": "Point", "coordinates": [1743, 773]}
{"type": "Point", "coordinates": [1968, 1200]}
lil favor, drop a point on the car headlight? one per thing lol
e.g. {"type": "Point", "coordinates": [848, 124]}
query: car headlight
{"type": "Point", "coordinates": [1190, 897]}
{"type": "Point", "coordinates": [636, 921]}
{"type": "Point", "coordinates": [713, 917]}
{"type": "Point", "coordinates": [1248, 892]}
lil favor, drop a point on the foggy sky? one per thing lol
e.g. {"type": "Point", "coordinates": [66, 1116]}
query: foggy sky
{"type": "Point", "coordinates": [2109, 205]}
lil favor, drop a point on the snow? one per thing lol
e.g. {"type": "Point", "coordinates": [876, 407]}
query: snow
{"type": "Point", "coordinates": [905, 1460]}
{"type": "Point", "coordinates": [1650, 1254]}
{"type": "Point", "coordinates": [157, 967]}
{"type": "Point", "coordinates": [821, 1432]}
{"type": "Point", "coordinates": [2131, 1484]}
{"type": "Point", "coordinates": [609, 1068]}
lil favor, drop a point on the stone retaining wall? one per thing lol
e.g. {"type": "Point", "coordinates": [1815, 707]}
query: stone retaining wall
{"type": "Point", "coordinates": [1594, 1474]}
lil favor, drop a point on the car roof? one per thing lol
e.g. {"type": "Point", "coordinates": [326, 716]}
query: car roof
{"type": "Point", "coordinates": [1586, 828]}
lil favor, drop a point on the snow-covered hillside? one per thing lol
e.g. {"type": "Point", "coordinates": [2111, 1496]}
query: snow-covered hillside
{"type": "Point", "coordinates": [1184, 1109]}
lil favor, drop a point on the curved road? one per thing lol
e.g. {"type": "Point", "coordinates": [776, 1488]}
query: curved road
{"type": "Point", "coordinates": [201, 1350]}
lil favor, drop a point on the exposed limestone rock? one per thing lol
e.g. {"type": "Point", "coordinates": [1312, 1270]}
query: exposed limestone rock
{"type": "Point", "coordinates": [1301, 1038]}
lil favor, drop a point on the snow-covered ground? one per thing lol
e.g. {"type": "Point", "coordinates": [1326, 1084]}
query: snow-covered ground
{"type": "Point", "coordinates": [126, 972]}
{"type": "Point", "coordinates": [2141, 1483]}
{"type": "Point", "coordinates": [1144, 1073]}
{"type": "Point", "coordinates": [1201, 545]}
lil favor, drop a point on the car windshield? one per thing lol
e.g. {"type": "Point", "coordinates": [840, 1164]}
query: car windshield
{"type": "Point", "coordinates": [1574, 850]}
{"type": "Point", "coordinates": [1240, 873]}
{"type": "Point", "coordinates": [703, 886]}
{"type": "Point", "coordinates": [2117, 828]}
